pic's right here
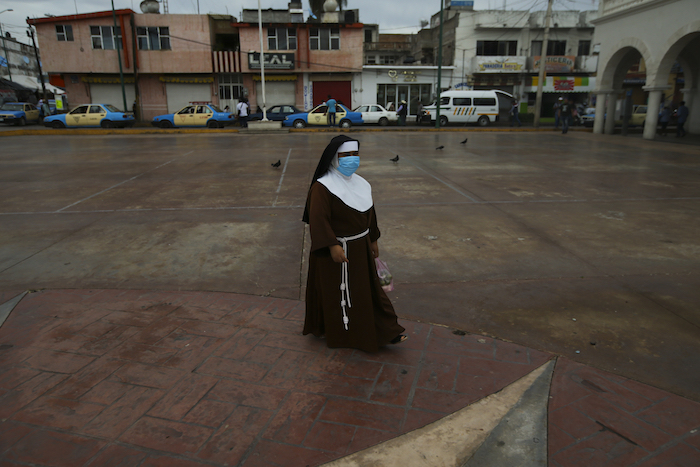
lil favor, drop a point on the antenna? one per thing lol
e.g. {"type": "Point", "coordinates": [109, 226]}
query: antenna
{"type": "Point", "coordinates": [165, 7]}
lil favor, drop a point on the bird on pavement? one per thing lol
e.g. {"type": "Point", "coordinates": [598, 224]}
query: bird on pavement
{"type": "Point", "coordinates": [465, 141]}
{"type": "Point", "coordinates": [276, 164]}
{"type": "Point", "coordinates": [395, 159]}
{"type": "Point", "coordinates": [440, 147]}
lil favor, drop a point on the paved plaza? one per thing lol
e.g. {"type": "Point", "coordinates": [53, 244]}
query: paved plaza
{"type": "Point", "coordinates": [153, 289]}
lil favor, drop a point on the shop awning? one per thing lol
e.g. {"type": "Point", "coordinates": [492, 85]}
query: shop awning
{"type": "Point", "coordinates": [562, 84]}
{"type": "Point", "coordinates": [34, 84]}
{"type": "Point", "coordinates": [276, 77]}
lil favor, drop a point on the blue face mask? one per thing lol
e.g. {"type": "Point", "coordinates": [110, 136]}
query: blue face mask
{"type": "Point", "coordinates": [348, 165]}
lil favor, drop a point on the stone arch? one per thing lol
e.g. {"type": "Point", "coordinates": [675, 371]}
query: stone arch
{"type": "Point", "coordinates": [626, 52]}
{"type": "Point", "coordinates": [677, 50]}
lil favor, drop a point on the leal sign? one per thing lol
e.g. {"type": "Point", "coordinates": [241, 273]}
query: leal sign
{"type": "Point", "coordinates": [273, 61]}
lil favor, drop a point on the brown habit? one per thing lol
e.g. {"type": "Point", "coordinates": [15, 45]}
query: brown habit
{"type": "Point", "coordinates": [373, 321]}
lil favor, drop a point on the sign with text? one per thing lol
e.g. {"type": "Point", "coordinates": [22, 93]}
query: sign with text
{"type": "Point", "coordinates": [504, 64]}
{"type": "Point", "coordinates": [273, 61]}
{"type": "Point", "coordinates": [555, 63]}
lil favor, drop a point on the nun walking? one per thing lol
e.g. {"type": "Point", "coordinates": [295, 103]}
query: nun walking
{"type": "Point", "coordinates": [344, 298]}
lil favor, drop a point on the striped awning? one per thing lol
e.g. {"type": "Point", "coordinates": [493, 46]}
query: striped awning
{"type": "Point", "coordinates": [226, 61]}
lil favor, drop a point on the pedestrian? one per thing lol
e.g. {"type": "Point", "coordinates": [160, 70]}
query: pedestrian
{"type": "Point", "coordinates": [331, 110]}
{"type": "Point", "coordinates": [682, 114]}
{"type": "Point", "coordinates": [565, 112]}
{"type": "Point", "coordinates": [664, 118]}
{"type": "Point", "coordinates": [557, 112]}
{"type": "Point", "coordinates": [243, 109]}
{"type": "Point", "coordinates": [344, 298]}
{"type": "Point", "coordinates": [403, 111]}
{"type": "Point", "coordinates": [514, 114]}
{"type": "Point", "coordinates": [40, 106]}
{"type": "Point", "coordinates": [419, 117]}
{"type": "Point", "coordinates": [227, 109]}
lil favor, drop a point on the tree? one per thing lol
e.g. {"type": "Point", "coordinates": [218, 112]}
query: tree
{"type": "Point", "coordinates": [317, 6]}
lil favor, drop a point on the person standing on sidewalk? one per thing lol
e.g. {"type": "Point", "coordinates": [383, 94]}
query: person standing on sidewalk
{"type": "Point", "coordinates": [565, 111]}
{"type": "Point", "coordinates": [403, 111]}
{"type": "Point", "coordinates": [331, 103]}
{"type": "Point", "coordinates": [682, 113]}
{"type": "Point", "coordinates": [664, 118]}
{"type": "Point", "coordinates": [243, 109]}
{"type": "Point", "coordinates": [514, 114]}
{"type": "Point", "coordinates": [557, 112]}
{"type": "Point", "coordinates": [345, 301]}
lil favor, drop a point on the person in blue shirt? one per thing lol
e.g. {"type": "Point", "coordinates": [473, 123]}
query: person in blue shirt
{"type": "Point", "coordinates": [331, 110]}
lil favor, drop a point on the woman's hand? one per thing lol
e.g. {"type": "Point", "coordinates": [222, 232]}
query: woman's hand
{"type": "Point", "coordinates": [375, 249]}
{"type": "Point", "coordinates": [338, 254]}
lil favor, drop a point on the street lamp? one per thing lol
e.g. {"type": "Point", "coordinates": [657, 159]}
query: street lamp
{"type": "Point", "coordinates": [4, 46]}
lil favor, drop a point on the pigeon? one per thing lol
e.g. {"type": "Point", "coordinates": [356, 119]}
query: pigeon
{"type": "Point", "coordinates": [276, 164]}
{"type": "Point", "coordinates": [440, 147]}
{"type": "Point", "coordinates": [465, 141]}
{"type": "Point", "coordinates": [395, 159]}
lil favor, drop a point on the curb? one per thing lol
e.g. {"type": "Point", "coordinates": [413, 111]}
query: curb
{"type": "Point", "coordinates": [170, 131]}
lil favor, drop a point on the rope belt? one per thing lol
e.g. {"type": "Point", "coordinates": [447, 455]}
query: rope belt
{"type": "Point", "coordinates": [344, 285]}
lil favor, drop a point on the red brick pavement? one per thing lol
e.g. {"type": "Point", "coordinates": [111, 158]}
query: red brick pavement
{"type": "Point", "coordinates": [599, 419]}
{"type": "Point", "coordinates": [125, 378]}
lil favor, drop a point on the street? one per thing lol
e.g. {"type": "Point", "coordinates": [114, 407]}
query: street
{"type": "Point", "coordinates": [581, 245]}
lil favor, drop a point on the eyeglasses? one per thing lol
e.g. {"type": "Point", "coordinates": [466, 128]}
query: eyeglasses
{"type": "Point", "coordinates": [349, 153]}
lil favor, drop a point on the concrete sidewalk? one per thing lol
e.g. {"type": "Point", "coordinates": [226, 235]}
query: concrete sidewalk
{"type": "Point", "coordinates": [153, 378]}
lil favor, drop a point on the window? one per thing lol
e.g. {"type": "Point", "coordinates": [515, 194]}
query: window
{"type": "Point", "coordinates": [496, 47]}
{"type": "Point", "coordinates": [489, 101]}
{"type": "Point", "coordinates": [64, 33]}
{"type": "Point", "coordinates": [368, 35]}
{"type": "Point", "coordinates": [553, 48]}
{"type": "Point", "coordinates": [324, 39]}
{"type": "Point", "coordinates": [371, 60]}
{"type": "Point", "coordinates": [96, 109]}
{"type": "Point", "coordinates": [281, 38]}
{"type": "Point", "coordinates": [444, 101]}
{"type": "Point", "coordinates": [462, 101]}
{"type": "Point", "coordinates": [106, 37]}
{"type": "Point", "coordinates": [83, 109]}
{"type": "Point", "coordinates": [584, 47]}
{"type": "Point", "coordinates": [153, 38]}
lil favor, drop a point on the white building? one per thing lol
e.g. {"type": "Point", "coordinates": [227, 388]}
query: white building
{"type": "Point", "coordinates": [662, 32]}
{"type": "Point", "coordinates": [497, 49]}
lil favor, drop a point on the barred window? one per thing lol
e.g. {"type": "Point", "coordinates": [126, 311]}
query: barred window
{"type": "Point", "coordinates": [584, 47]}
{"type": "Point", "coordinates": [153, 38]}
{"type": "Point", "coordinates": [324, 39]}
{"type": "Point", "coordinates": [64, 32]}
{"type": "Point", "coordinates": [495, 48]}
{"type": "Point", "coordinates": [281, 38]}
{"type": "Point", "coordinates": [106, 37]}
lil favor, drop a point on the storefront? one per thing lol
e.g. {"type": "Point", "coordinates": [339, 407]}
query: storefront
{"type": "Point", "coordinates": [577, 89]}
{"type": "Point", "coordinates": [386, 85]}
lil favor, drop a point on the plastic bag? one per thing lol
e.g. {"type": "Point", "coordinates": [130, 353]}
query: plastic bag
{"type": "Point", "coordinates": [385, 278]}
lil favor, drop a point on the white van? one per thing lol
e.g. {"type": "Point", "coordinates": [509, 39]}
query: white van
{"type": "Point", "coordinates": [480, 107]}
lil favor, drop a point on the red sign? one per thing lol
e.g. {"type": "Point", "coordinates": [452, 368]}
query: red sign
{"type": "Point", "coordinates": [563, 84]}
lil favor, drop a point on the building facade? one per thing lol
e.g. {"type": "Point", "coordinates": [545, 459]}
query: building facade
{"type": "Point", "coordinates": [305, 62]}
{"type": "Point", "coordinates": [671, 41]}
{"type": "Point", "coordinates": [497, 49]}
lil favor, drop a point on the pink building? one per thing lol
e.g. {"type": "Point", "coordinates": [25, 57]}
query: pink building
{"type": "Point", "coordinates": [170, 60]}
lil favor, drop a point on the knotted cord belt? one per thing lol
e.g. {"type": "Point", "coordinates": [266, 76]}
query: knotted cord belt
{"type": "Point", "coordinates": [344, 285]}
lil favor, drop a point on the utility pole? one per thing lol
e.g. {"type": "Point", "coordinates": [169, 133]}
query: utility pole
{"type": "Point", "coordinates": [30, 33]}
{"type": "Point", "coordinates": [262, 63]}
{"type": "Point", "coordinates": [439, 83]}
{"type": "Point", "coordinates": [119, 57]}
{"type": "Point", "coordinates": [543, 59]}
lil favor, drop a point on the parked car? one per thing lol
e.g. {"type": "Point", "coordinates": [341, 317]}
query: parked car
{"type": "Point", "coordinates": [375, 113]}
{"type": "Point", "coordinates": [318, 116]}
{"type": "Point", "coordinates": [638, 117]}
{"type": "Point", "coordinates": [19, 113]}
{"type": "Point", "coordinates": [195, 115]}
{"type": "Point", "coordinates": [588, 117]}
{"type": "Point", "coordinates": [91, 115]}
{"type": "Point", "coordinates": [276, 113]}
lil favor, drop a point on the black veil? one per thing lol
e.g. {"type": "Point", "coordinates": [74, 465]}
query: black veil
{"type": "Point", "coordinates": [324, 164]}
